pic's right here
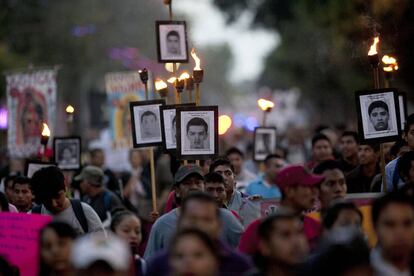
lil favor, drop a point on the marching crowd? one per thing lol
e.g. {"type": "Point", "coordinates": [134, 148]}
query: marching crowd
{"type": "Point", "coordinates": [214, 219]}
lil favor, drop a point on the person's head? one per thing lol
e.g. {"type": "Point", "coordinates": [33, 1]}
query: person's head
{"type": "Point", "coordinates": [393, 221]}
{"type": "Point", "coordinates": [127, 226]}
{"type": "Point", "coordinates": [188, 179]}
{"type": "Point", "coordinates": [368, 154]}
{"type": "Point", "coordinates": [91, 179]}
{"type": "Point", "coordinates": [4, 203]}
{"type": "Point", "coordinates": [298, 187]}
{"type": "Point", "coordinates": [97, 157]}
{"type": "Point", "coordinates": [135, 158]}
{"type": "Point", "coordinates": [23, 195]}
{"type": "Point", "coordinates": [214, 186]}
{"type": "Point", "coordinates": [193, 252]}
{"type": "Point", "coordinates": [173, 43]}
{"type": "Point", "coordinates": [53, 198]}
{"type": "Point", "coordinates": [236, 158]}
{"type": "Point", "coordinates": [405, 166]}
{"type": "Point", "coordinates": [334, 185]}
{"type": "Point", "coordinates": [101, 254]}
{"type": "Point", "coordinates": [349, 144]}
{"type": "Point", "coordinates": [197, 132]}
{"type": "Point", "coordinates": [8, 186]}
{"type": "Point", "coordinates": [409, 131]}
{"type": "Point", "coordinates": [379, 115]}
{"type": "Point", "coordinates": [398, 148]}
{"type": "Point", "coordinates": [342, 214]}
{"type": "Point", "coordinates": [273, 164]}
{"type": "Point", "coordinates": [200, 210]}
{"type": "Point", "coordinates": [224, 167]}
{"type": "Point", "coordinates": [321, 147]}
{"type": "Point", "coordinates": [56, 240]}
{"type": "Point", "coordinates": [282, 241]}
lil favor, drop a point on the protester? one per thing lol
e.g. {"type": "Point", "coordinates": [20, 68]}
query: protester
{"type": "Point", "coordinates": [247, 208]}
{"type": "Point", "coordinates": [4, 203]}
{"type": "Point", "coordinates": [393, 219]}
{"type": "Point", "coordinates": [23, 195]}
{"type": "Point", "coordinates": [405, 167]}
{"type": "Point", "coordinates": [200, 211]}
{"type": "Point", "coordinates": [127, 226]}
{"type": "Point", "coordinates": [265, 186]}
{"type": "Point", "coordinates": [99, 254]}
{"type": "Point", "coordinates": [97, 159]}
{"type": "Point", "coordinates": [56, 241]}
{"type": "Point", "coordinates": [53, 201]}
{"type": "Point", "coordinates": [360, 179]}
{"type": "Point", "coordinates": [242, 176]}
{"type": "Point", "coordinates": [282, 245]}
{"type": "Point", "coordinates": [8, 186]}
{"type": "Point", "coordinates": [188, 179]}
{"type": "Point", "coordinates": [96, 195]}
{"type": "Point", "coordinates": [321, 150]}
{"type": "Point", "coordinates": [349, 151]}
{"type": "Point", "coordinates": [342, 214]}
{"type": "Point", "coordinates": [214, 186]}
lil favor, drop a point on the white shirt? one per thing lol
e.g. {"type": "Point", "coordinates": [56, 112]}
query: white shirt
{"type": "Point", "coordinates": [384, 268]}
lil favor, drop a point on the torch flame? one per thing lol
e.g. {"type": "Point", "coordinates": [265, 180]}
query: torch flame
{"type": "Point", "coordinates": [391, 62]}
{"type": "Point", "coordinates": [160, 84]}
{"type": "Point", "coordinates": [70, 109]}
{"type": "Point", "coordinates": [224, 124]}
{"type": "Point", "coordinates": [170, 67]}
{"type": "Point", "coordinates": [196, 59]}
{"type": "Point", "coordinates": [373, 48]}
{"type": "Point", "coordinates": [265, 104]}
{"type": "Point", "coordinates": [46, 130]}
{"type": "Point", "coordinates": [388, 69]}
{"type": "Point", "coordinates": [388, 60]}
{"type": "Point", "coordinates": [172, 79]}
{"type": "Point", "coordinates": [184, 76]}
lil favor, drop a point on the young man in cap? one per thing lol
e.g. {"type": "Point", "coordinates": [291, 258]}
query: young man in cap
{"type": "Point", "coordinates": [96, 195]}
{"type": "Point", "coordinates": [188, 179]}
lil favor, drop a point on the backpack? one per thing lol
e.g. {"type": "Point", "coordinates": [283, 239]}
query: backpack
{"type": "Point", "coordinates": [77, 209]}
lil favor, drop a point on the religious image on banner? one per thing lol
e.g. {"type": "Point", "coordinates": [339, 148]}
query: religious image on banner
{"type": "Point", "coordinates": [31, 101]}
{"type": "Point", "coordinates": [122, 88]}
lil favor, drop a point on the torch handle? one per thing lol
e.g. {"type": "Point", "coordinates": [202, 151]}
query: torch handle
{"type": "Point", "coordinates": [376, 78]}
{"type": "Point", "coordinates": [198, 94]}
{"type": "Point", "coordinates": [146, 91]}
{"type": "Point", "coordinates": [153, 186]}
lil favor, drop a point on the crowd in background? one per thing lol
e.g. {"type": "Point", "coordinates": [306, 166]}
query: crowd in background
{"type": "Point", "coordinates": [209, 218]}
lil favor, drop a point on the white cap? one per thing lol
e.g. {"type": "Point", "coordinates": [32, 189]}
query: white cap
{"type": "Point", "coordinates": [100, 247]}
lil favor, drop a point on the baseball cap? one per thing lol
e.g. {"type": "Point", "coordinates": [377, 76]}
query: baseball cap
{"type": "Point", "coordinates": [92, 174]}
{"type": "Point", "coordinates": [187, 170]}
{"type": "Point", "coordinates": [297, 175]}
{"type": "Point", "coordinates": [100, 247]}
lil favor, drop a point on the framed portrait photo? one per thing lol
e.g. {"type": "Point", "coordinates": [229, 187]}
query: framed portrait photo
{"type": "Point", "coordinates": [67, 152]}
{"type": "Point", "coordinates": [197, 132]}
{"type": "Point", "coordinates": [169, 126]}
{"type": "Point", "coordinates": [33, 166]}
{"type": "Point", "coordinates": [146, 123]}
{"type": "Point", "coordinates": [402, 102]}
{"type": "Point", "coordinates": [378, 115]}
{"type": "Point", "coordinates": [172, 41]}
{"type": "Point", "coordinates": [264, 142]}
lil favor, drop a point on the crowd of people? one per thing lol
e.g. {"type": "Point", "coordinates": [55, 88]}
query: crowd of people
{"type": "Point", "coordinates": [212, 217]}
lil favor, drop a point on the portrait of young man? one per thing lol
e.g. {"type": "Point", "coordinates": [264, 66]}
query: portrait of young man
{"type": "Point", "coordinates": [379, 116]}
{"type": "Point", "coordinates": [197, 133]}
{"type": "Point", "coordinates": [149, 125]}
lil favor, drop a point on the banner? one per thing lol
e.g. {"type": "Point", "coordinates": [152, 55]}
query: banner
{"type": "Point", "coordinates": [31, 101]}
{"type": "Point", "coordinates": [122, 88]}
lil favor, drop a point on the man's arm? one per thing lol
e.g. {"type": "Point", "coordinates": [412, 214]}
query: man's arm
{"type": "Point", "coordinates": [232, 228]}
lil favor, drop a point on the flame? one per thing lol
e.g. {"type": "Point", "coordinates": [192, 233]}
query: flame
{"type": "Point", "coordinates": [160, 84]}
{"type": "Point", "coordinates": [388, 69]}
{"type": "Point", "coordinates": [391, 62]}
{"type": "Point", "coordinates": [172, 80]}
{"type": "Point", "coordinates": [196, 59]}
{"type": "Point", "coordinates": [70, 109]}
{"type": "Point", "coordinates": [46, 130]}
{"type": "Point", "coordinates": [170, 67]}
{"type": "Point", "coordinates": [184, 76]}
{"type": "Point", "coordinates": [373, 48]}
{"type": "Point", "coordinates": [388, 60]}
{"type": "Point", "coordinates": [224, 124]}
{"type": "Point", "coordinates": [265, 104]}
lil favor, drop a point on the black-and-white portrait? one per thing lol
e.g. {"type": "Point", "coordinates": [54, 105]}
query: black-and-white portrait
{"type": "Point", "coordinates": [33, 166]}
{"type": "Point", "coordinates": [198, 131]}
{"type": "Point", "coordinates": [264, 142]}
{"type": "Point", "coordinates": [172, 41]}
{"type": "Point", "coordinates": [379, 114]}
{"type": "Point", "coordinates": [67, 151]}
{"type": "Point", "coordinates": [146, 122]}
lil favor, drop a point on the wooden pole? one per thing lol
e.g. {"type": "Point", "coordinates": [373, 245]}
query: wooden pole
{"type": "Point", "coordinates": [264, 118]}
{"type": "Point", "coordinates": [198, 96]}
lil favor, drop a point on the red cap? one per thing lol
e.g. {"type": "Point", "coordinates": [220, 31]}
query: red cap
{"type": "Point", "coordinates": [297, 175]}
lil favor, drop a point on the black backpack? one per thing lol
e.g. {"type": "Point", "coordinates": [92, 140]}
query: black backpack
{"type": "Point", "coordinates": [77, 209]}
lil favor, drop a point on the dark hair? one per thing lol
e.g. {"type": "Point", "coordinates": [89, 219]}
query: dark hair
{"type": "Point", "coordinates": [7, 268]}
{"type": "Point", "coordinates": [200, 197]}
{"type": "Point", "coordinates": [266, 226]}
{"type": "Point", "coordinates": [47, 183]}
{"type": "Point", "coordinates": [353, 134]}
{"type": "Point", "coordinates": [21, 180]}
{"type": "Point", "coordinates": [213, 177]}
{"type": "Point", "coordinates": [374, 147]}
{"type": "Point", "coordinates": [4, 203]}
{"type": "Point", "coordinates": [397, 147]}
{"type": "Point", "coordinates": [335, 209]}
{"type": "Point", "coordinates": [221, 161]}
{"type": "Point", "coordinates": [119, 216]}
{"type": "Point", "coordinates": [404, 164]}
{"type": "Point", "coordinates": [408, 123]}
{"type": "Point", "coordinates": [319, 136]}
{"type": "Point", "coordinates": [173, 33]}
{"type": "Point", "coordinates": [148, 113]}
{"type": "Point", "coordinates": [93, 152]}
{"type": "Point", "coordinates": [234, 150]}
{"type": "Point", "coordinates": [124, 177]}
{"type": "Point", "coordinates": [377, 104]}
{"type": "Point", "coordinates": [327, 165]}
{"type": "Point", "coordinates": [201, 235]}
{"type": "Point", "coordinates": [10, 178]}
{"type": "Point", "coordinates": [393, 197]}
{"type": "Point", "coordinates": [196, 121]}
{"type": "Point", "coordinates": [272, 156]}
